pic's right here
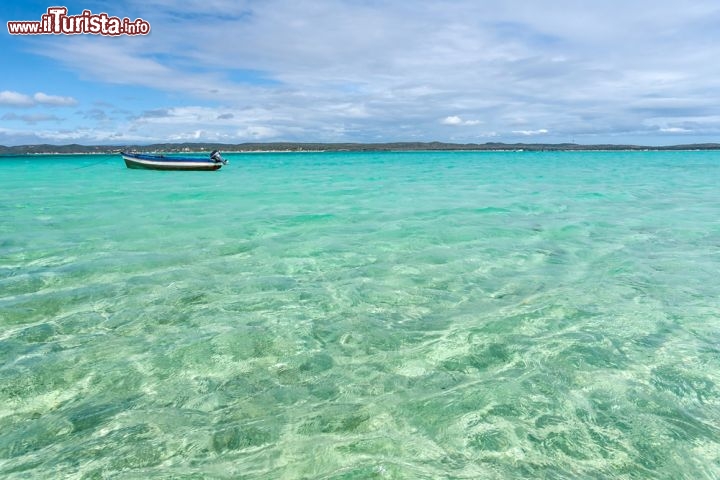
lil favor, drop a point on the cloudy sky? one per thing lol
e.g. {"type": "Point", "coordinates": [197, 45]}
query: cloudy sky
{"type": "Point", "coordinates": [233, 71]}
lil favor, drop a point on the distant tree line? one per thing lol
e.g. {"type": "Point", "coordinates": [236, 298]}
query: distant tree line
{"type": "Point", "coordinates": [332, 147]}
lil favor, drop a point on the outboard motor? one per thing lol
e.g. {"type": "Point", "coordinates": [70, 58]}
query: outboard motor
{"type": "Point", "coordinates": [217, 158]}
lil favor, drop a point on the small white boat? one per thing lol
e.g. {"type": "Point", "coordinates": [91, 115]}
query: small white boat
{"type": "Point", "coordinates": [162, 162]}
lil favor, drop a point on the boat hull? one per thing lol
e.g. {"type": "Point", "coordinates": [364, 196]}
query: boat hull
{"type": "Point", "coordinates": [158, 162]}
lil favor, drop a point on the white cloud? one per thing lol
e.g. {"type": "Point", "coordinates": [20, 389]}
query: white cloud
{"type": "Point", "coordinates": [44, 99]}
{"type": "Point", "coordinates": [530, 133]}
{"type": "Point", "coordinates": [455, 120]}
{"type": "Point", "coordinates": [452, 120]}
{"type": "Point", "coordinates": [16, 99]}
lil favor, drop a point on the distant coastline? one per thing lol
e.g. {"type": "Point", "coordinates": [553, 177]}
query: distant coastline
{"type": "Point", "coordinates": [334, 147]}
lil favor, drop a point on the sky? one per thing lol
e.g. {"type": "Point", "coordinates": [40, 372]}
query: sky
{"type": "Point", "coordinates": [466, 71]}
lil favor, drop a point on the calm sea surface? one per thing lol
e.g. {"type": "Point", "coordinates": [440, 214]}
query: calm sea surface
{"type": "Point", "coordinates": [362, 315]}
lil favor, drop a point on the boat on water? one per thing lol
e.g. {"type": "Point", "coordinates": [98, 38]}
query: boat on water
{"type": "Point", "coordinates": [162, 162]}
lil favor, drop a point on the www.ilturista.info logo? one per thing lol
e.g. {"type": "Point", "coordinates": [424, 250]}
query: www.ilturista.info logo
{"type": "Point", "coordinates": [57, 22]}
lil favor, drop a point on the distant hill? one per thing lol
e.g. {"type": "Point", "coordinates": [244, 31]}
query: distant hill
{"type": "Point", "coordinates": [333, 147]}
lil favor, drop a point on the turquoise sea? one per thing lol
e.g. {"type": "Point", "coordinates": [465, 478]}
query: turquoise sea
{"type": "Point", "coordinates": [423, 315]}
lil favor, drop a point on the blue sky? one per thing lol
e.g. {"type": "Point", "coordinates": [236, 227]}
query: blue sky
{"type": "Point", "coordinates": [233, 71]}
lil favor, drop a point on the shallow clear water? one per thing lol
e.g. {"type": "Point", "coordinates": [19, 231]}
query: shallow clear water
{"type": "Point", "coordinates": [362, 315]}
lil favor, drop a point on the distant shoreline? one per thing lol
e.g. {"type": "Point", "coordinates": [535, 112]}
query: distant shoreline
{"type": "Point", "coordinates": [279, 147]}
